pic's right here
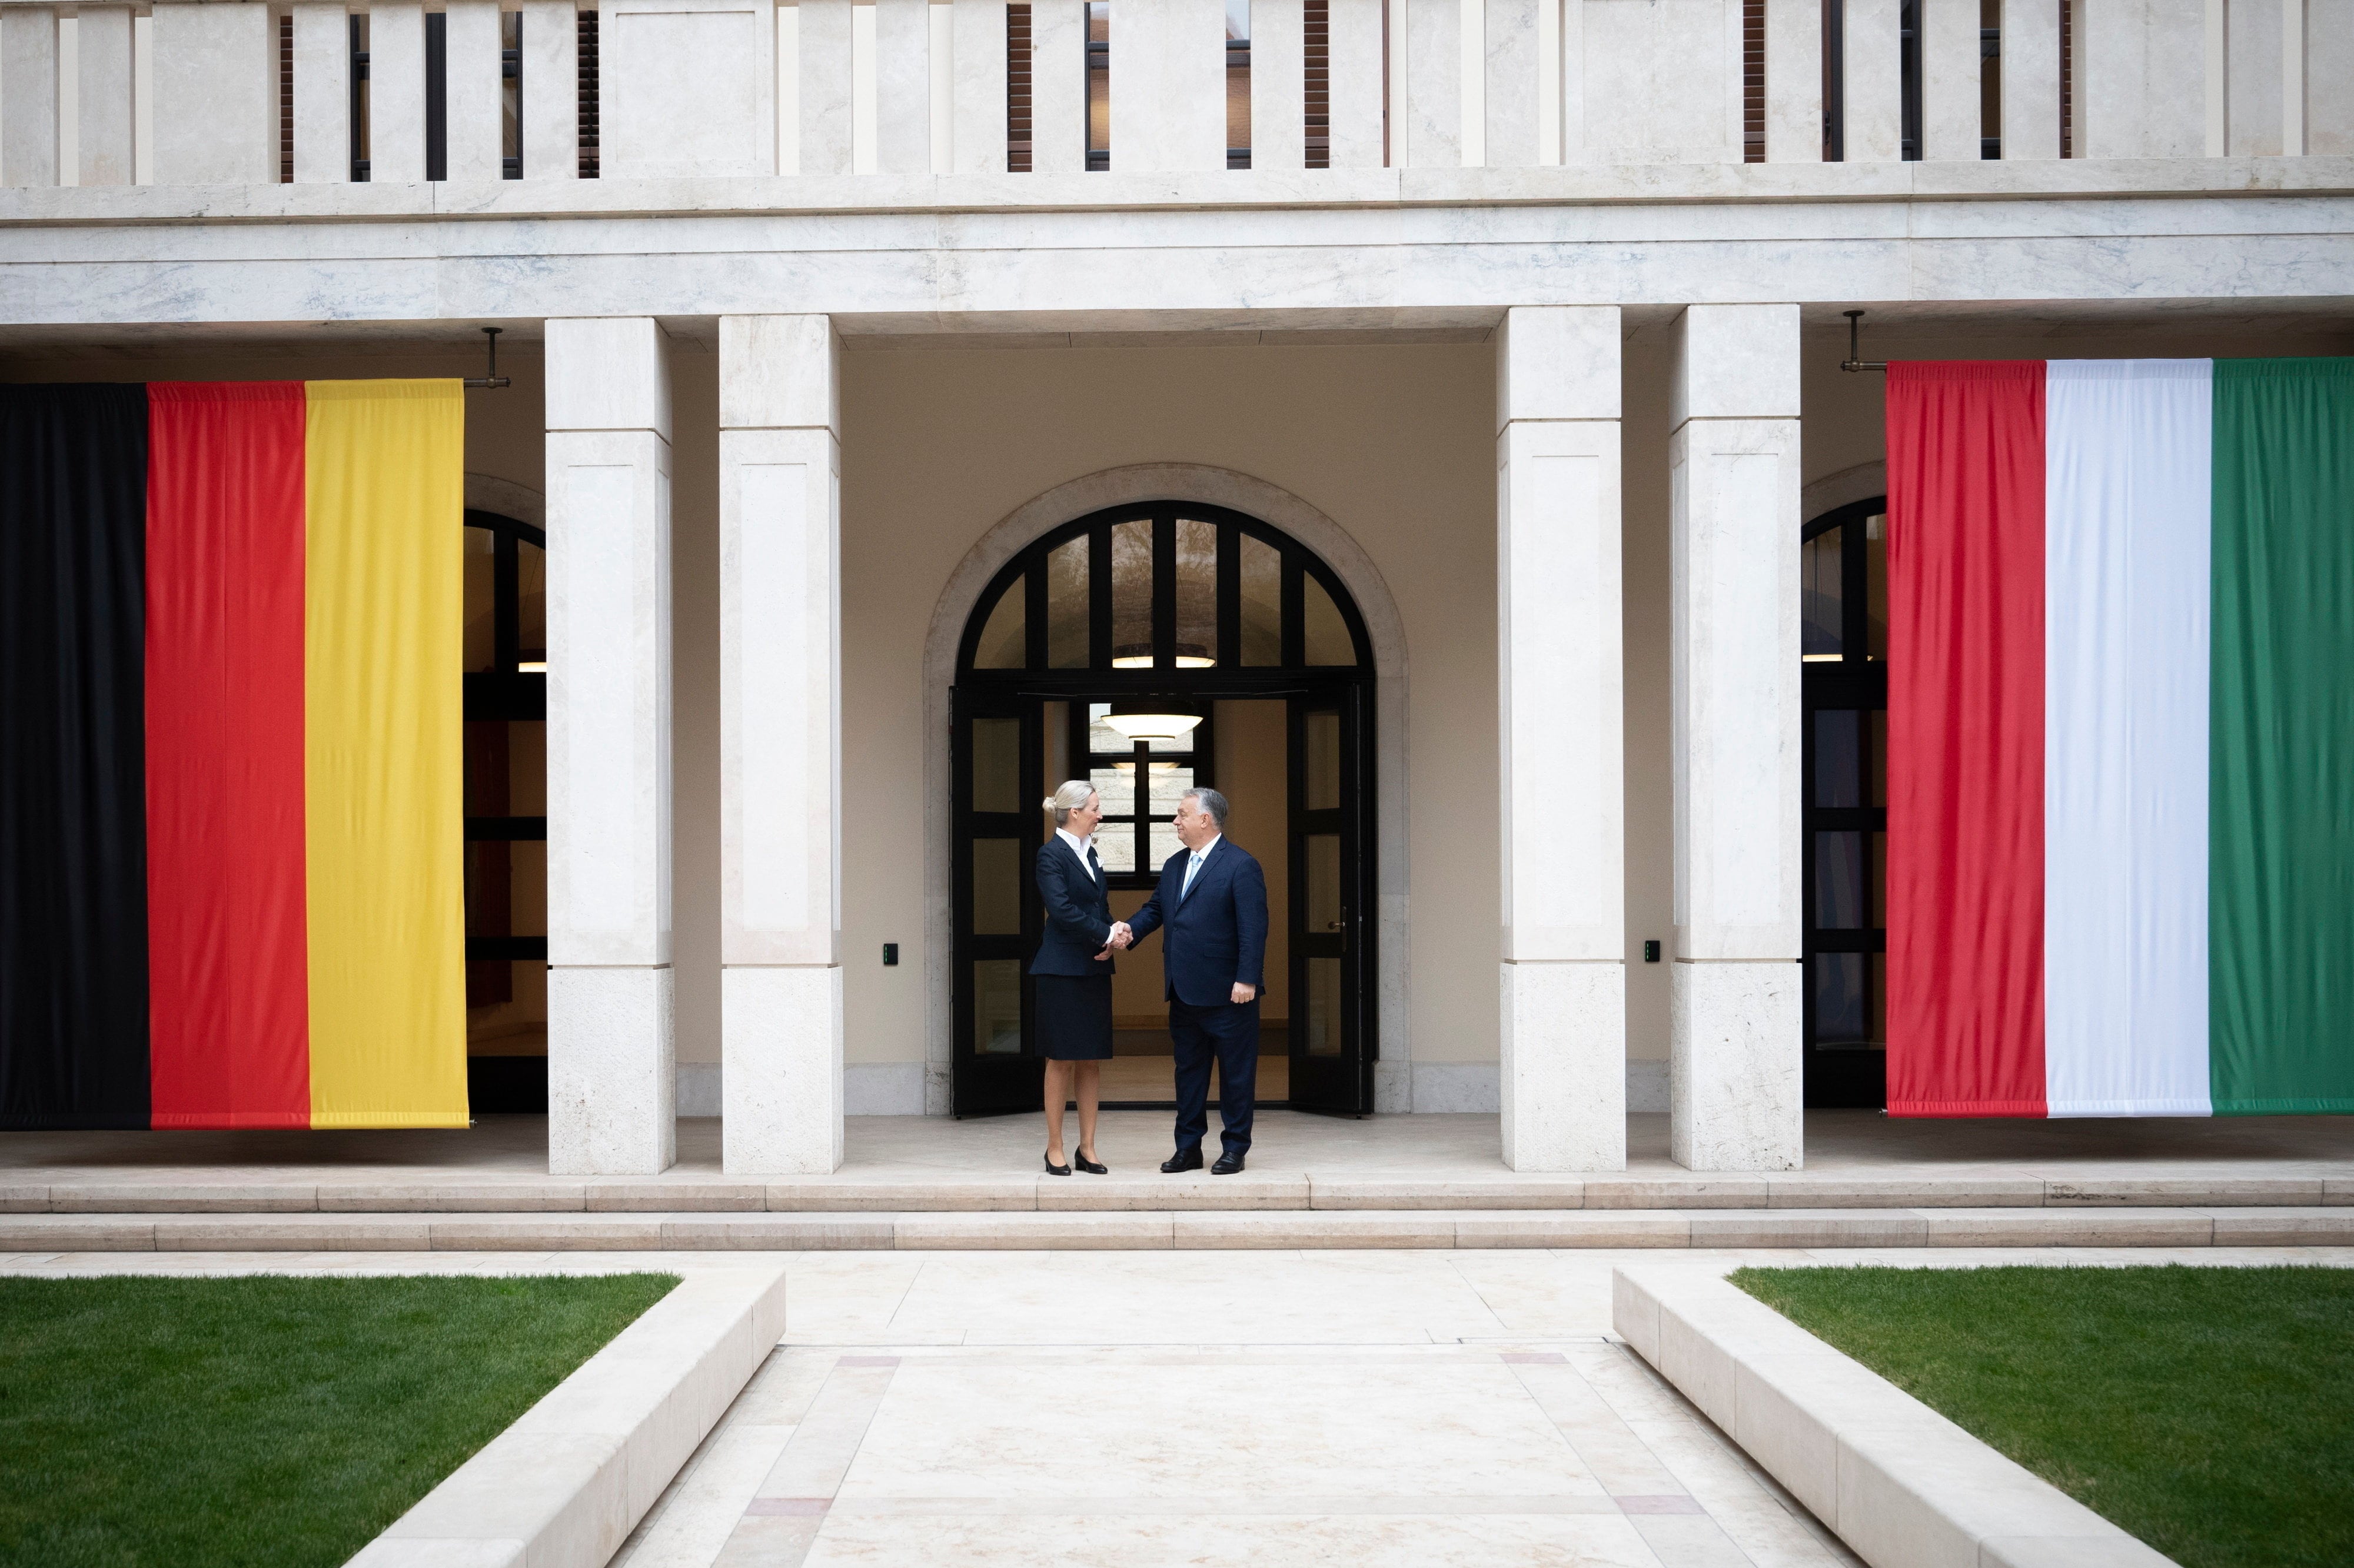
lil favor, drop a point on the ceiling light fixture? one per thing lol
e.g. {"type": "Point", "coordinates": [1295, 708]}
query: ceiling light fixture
{"type": "Point", "coordinates": [1154, 718]}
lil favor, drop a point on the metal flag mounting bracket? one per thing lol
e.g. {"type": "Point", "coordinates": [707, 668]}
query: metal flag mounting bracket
{"type": "Point", "coordinates": [492, 379]}
{"type": "Point", "coordinates": [1851, 362]}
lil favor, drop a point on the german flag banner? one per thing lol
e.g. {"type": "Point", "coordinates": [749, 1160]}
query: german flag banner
{"type": "Point", "coordinates": [231, 808]}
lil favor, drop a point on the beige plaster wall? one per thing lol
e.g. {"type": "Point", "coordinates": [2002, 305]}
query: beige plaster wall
{"type": "Point", "coordinates": [1394, 443]}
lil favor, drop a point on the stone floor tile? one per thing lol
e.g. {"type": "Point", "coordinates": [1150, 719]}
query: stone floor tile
{"type": "Point", "coordinates": [1199, 1534]}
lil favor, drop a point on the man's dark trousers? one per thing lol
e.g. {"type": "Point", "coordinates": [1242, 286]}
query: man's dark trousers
{"type": "Point", "coordinates": [1227, 1033]}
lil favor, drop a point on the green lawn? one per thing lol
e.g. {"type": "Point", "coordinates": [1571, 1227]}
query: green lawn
{"type": "Point", "coordinates": [265, 1421]}
{"type": "Point", "coordinates": [2209, 1411]}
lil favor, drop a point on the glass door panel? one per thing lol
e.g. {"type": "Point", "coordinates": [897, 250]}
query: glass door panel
{"type": "Point", "coordinates": [1331, 1045]}
{"type": "Point", "coordinates": [1000, 768]}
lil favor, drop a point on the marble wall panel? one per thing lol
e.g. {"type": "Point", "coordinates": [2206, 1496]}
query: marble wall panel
{"type": "Point", "coordinates": [551, 115]}
{"type": "Point", "coordinates": [1873, 122]}
{"type": "Point", "coordinates": [1514, 77]}
{"type": "Point", "coordinates": [104, 94]}
{"type": "Point", "coordinates": [1794, 84]}
{"type": "Point", "coordinates": [2145, 75]}
{"type": "Point", "coordinates": [688, 88]}
{"type": "Point", "coordinates": [976, 53]}
{"type": "Point", "coordinates": [29, 95]}
{"type": "Point", "coordinates": [1951, 108]}
{"type": "Point", "coordinates": [903, 87]}
{"type": "Point", "coordinates": [396, 92]}
{"type": "Point", "coordinates": [215, 95]}
{"type": "Point", "coordinates": [1278, 128]}
{"type": "Point", "coordinates": [1624, 51]}
{"type": "Point", "coordinates": [1432, 116]}
{"type": "Point", "coordinates": [1058, 86]}
{"type": "Point", "coordinates": [1359, 91]}
{"type": "Point", "coordinates": [472, 112]}
{"type": "Point", "coordinates": [322, 93]}
{"type": "Point", "coordinates": [823, 50]}
{"type": "Point", "coordinates": [2030, 81]}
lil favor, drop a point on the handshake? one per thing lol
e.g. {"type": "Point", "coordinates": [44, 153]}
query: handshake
{"type": "Point", "coordinates": [1120, 939]}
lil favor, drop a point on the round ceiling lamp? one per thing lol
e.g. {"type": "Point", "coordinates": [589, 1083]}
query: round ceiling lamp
{"type": "Point", "coordinates": [1138, 656]}
{"type": "Point", "coordinates": [1154, 718]}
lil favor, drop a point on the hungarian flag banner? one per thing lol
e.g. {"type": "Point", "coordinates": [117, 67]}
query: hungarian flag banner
{"type": "Point", "coordinates": [231, 828]}
{"type": "Point", "coordinates": [2121, 738]}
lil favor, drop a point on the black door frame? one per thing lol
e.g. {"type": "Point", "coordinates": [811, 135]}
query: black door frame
{"type": "Point", "coordinates": [1008, 1082]}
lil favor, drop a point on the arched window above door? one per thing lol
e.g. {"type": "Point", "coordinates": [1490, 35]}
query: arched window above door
{"type": "Point", "coordinates": [1163, 586]}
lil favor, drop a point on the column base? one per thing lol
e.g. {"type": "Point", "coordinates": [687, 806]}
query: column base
{"type": "Point", "coordinates": [1564, 1066]}
{"type": "Point", "coordinates": [612, 1072]}
{"type": "Point", "coordinates": [781, 1085]}
{"type": "Point", "coordinates": [1734, 1068]}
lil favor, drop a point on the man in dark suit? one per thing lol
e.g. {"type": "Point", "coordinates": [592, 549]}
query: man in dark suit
{"type": "Point", "coordinates": [1213, 899]}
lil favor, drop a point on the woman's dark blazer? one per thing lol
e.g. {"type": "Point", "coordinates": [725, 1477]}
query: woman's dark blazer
{"type": "Point", "coordinates": [1078, 914]}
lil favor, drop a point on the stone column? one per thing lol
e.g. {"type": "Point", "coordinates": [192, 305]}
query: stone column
{"type": "Point", "coordinates": [780, 745]}
{"type": "Point", "coordinates": [473, 115]}
{"type": "Point", "coordinates": [1734, 1037]}
{"type": "Point", "coordinates": [1560, 728]}
{"type": "Point", "coordinates": [551, 94]}
{"type": "Point", "coordinates": [611, 1060]}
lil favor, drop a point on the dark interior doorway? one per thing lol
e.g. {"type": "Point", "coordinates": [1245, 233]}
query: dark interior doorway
{"type": "Point", "coordinates": [1843, 617]}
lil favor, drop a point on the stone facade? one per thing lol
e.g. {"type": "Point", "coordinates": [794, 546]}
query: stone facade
{"type": "Point", "coordinates": [807, 358]}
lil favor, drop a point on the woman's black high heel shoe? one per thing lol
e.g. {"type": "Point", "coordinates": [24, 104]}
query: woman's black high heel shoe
{"type": "Point", "coordinates": [1080, 1159]}
{"type": "Point", "coordinates": [1054, 1169]}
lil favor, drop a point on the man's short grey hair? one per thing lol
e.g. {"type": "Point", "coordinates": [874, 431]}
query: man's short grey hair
{"type": "Point", "coordinates": [1209, 800]}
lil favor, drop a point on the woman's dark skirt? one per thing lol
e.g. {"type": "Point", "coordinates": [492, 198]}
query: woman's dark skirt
{"type": "Point", "coordinates": [1075, 1017]}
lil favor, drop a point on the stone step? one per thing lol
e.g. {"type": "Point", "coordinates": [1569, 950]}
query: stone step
{"type": "Point", "coordinates": [1158, 1228]}
{"type": "Point", "coordinates": [695, 1193]}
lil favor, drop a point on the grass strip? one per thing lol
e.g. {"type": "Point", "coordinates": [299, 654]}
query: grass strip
{"type": "Point", "coordinates": [2209, 1411]}
{"type": "Point", "coordinates": [266, 1422]}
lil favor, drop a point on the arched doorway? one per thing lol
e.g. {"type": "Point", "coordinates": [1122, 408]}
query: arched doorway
{"type": "Point", "coordinates": [1180, 599]}
{"type": "Point", "coordinates": [1843, 597]}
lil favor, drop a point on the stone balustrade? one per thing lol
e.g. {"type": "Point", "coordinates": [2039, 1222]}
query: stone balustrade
{"type": "Point", "coordinates": [323, 92]}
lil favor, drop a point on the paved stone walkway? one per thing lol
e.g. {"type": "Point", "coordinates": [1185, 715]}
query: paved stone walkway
{"type": "Point", "coordinates": [1129, 1410]}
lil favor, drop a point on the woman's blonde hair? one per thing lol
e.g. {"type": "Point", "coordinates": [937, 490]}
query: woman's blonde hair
{"type": "Point", "coordinates": [1068, 798]}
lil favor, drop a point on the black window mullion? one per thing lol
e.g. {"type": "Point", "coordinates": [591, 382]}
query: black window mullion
{"type": "Point", "coordinates": [1033, 612]}
{"type": "Point", "coordinates": [1098, 599]}
{"type": "Point", "coordinates": [506, 599]}
{"type": "Point", "coordinates": [1164, 590]}
{"type": "Point", "coordinates": [1294, 614]}
{"type": "Point", "coordinates": [437, 95]}
{"type": "Point", "coordinates": [1229, 652]}
{"type": "Point", "coordinates": [1855, 612]}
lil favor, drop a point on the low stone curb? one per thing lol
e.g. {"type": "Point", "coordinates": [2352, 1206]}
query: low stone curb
{"type": "Point", "coordinates": [565, 1485]}
{"type": "Point", "coordinates": [681, 1195]}
{"type": "Point", "coordinates": [1132, 1229]}
{"type": "Point", "coordinates": [1901, 1485]}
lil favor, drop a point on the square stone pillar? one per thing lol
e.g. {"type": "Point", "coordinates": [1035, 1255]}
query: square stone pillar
{"type": "Point", "coordinates": [1561, 724]}
{"type": "Point", "coordinates": [780, 745]}
{"type": "Point", "coordinates": [610, 1057]}
{"type": "Point", "coordinates": [1735, 1040]}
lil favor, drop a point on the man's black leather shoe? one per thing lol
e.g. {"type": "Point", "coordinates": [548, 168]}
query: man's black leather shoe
{"type": "Point", "coordinates": [1228, 1163]}
{"type": "Point", "coordinates": [1183, 1160]}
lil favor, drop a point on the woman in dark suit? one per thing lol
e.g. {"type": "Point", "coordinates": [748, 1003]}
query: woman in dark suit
{"type": "Point", "coordinates": [1072, 971]}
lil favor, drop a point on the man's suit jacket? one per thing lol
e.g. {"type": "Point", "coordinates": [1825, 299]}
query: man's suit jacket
{"type": "Point", "coordinates": [1078, 914]}
{"type": "Point", "coordinates": [1217, 932]}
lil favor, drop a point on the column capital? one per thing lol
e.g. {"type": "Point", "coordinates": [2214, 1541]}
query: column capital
{"type": "Point", "coordinates": [780, 373]}
{"type": "Point", "coordinates": [1557, 361]}
{"type": "Point", "coordinates": [607, 373]}
{"type": "Point", "coordinates": [1735, 362]}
